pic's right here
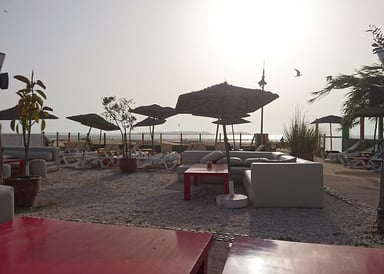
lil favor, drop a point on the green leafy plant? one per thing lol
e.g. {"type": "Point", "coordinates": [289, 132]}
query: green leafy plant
{"type": "Point", "coordinates": [30, 111]}
{"type": "Point", "coordinates": [118, 111]}
{"type": "Point", "coordinates": [302, 139]}
{"type": "Point", "coordinates": [378, 38]}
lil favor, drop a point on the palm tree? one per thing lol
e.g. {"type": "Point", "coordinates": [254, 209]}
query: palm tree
{"type": "Point", "coordinates": [359, 85]}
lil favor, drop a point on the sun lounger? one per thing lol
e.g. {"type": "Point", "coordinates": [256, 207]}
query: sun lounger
{"type": "Point", "coordinates": [109, 155]}
{"type": "Point", "coordinates": [352, 152]}
{"type": "Point", "coordinates": [167, 158]}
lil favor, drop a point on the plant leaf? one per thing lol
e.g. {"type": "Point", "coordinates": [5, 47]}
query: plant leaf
{"type": "Point", "coordinates": [22, 78]}
{"type": "Point", "coordinates": [41, 84]}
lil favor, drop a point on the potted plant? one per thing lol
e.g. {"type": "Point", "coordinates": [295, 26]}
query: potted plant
{"type": "Point", "coordinates": [378, 41]}
{"type": "Point", "coordinates": [30, 111]}
{"type": "Point", "coordinates": [118, 111]}
{"type": "Point", "coordinates": [302, 139]}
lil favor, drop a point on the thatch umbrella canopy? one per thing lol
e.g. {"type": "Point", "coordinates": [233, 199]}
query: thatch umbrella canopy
{"type": "Point", "coordinates": [12, 114]}
{"type": "Point", "coordinates": [93, 120]}
{"type": "Point", "coordinates": [156, 113]}
{"type": "Point", "coordinates": [151, 123]}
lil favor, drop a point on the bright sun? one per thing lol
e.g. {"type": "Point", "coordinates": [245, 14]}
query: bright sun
{"type": "Point", "coordinates": [246, 28]}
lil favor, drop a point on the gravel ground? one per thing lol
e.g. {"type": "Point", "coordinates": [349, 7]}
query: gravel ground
{"type": "Point", "coordinates": [153, 198]}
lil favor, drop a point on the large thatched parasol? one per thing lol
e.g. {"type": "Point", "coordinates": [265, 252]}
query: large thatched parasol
{"type": "Point", "coordinates": [223, 101]}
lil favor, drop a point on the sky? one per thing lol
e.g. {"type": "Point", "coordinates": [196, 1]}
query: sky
{"type": "Point", "coordinates": [153, 51]}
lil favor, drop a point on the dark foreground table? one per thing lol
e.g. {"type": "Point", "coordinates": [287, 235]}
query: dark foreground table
{"type": "Point", "coordinates": [250, 255]}
{"type": "Point", "coordinates": [35, 245]}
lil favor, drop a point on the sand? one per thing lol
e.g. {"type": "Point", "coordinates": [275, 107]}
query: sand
{"type": "Point", "coordinates": [153, 198]}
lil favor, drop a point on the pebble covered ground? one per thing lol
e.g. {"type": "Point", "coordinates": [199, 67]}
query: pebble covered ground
{"type": "Point", "coordinates": [154, 198]}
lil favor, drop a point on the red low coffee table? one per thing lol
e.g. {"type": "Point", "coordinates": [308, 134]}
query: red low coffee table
{"type": "Point", "coordinates": [252, 255]}
{"type": "Point", "coordinates": [197, 170]}
{"type": "Point", "coordinates": [36, 245]}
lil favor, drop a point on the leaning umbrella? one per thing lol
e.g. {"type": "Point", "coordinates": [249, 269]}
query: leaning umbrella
{"type": "Point", "coordinates": [156, 113]}
{"type": "Point", "coordinates": [151, 123]}
{"type": "Point", "coordinates": [93, 120]}
{"type": "Point", "coordinates": [223, 101]}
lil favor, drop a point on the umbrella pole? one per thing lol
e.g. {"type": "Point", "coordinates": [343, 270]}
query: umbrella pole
{"type": "Point", "coordinates": [233, 137]}
{"type": "Point", "coordinates": [217, 133]}
{"type": "Point", "coordinates": [227, 150]}
{"type": "Point", "coordinates": [330, 135]}
{"type": "Point", "coordinates": [152, 137]}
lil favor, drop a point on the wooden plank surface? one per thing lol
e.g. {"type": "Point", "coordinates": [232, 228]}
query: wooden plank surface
{"type": "Point", "coordinates": [36, 245]}
{"type": "Point", "coordinates": [252, 255]}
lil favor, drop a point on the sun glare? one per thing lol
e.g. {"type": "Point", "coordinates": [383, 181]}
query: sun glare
{"type": "Point", "coordinates": [248, 28]}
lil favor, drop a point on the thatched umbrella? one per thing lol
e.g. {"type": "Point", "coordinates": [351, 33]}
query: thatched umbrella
{"type": "Point", "coordinates": [151, 123]}
{"type": "Point", "coordinates": [157, 113]}
{"type": "Point", "coordinates": [93, 120]}
{"type": "Point", "coordinates": [12, 114]}
{"type": "Point", "coordinates": [223, 102]}
{"type": "Point", "coordinates": [233, 121]}
{"type": "Point", "coordinates": [330, 119]}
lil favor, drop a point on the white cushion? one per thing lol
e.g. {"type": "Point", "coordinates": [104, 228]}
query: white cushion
{"type": "Point", "coordinates": [212, 156]}
{"type": "Point", "coordinates": [235, 161]}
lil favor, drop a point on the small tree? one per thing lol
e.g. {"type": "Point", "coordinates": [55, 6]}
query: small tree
{"type": "Point", "coordinates": [118, 111]}
{"type": "Point", "coordinates": [30, 111]}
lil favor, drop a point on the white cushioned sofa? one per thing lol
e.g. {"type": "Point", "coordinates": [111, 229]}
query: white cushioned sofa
{"type": "Point", "coordinates": [51, 155]}
{"type": "Point", "coordinates": [270, 179]}
{"type": "Point", "coordinates": [240, 160]}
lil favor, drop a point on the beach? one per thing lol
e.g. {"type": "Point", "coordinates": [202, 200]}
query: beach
{"type": "Point", "coordinates": [153, 198]}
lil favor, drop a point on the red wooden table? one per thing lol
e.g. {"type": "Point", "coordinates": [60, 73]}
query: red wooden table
{"type": "Point", "coordinates": [197, 170]}
{"type": "Point", "coordinates": [21, 163]}
{"type": "Point", "coordinates": [251, 255]}
{"type": "Point", "coordinates": [36, 245]}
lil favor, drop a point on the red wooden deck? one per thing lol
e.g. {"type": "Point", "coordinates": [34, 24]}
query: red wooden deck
{"type": "Point", "coordinates": [35, 245]}
{"type": "Point", "coordinates": [250, 255]}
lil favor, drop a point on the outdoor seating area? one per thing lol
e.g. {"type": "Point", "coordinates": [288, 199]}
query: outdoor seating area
{"type": "Point", "coordinates": [50, 156]}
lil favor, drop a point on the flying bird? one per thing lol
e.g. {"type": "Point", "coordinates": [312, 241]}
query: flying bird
{"type": "Point", "coordinates": [298, 73]}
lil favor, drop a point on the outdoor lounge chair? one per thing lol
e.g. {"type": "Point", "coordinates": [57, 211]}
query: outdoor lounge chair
{"type": "Point", "coordinates": [167, 158]}
{"type": "Point", "coordinates": [109, 155]}
{"type": "Point", "coordinates": [352, 152]}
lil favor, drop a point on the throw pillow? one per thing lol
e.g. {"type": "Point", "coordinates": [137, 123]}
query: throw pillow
{"type": "Point", "coordinates": [235, 161]}
{"type": "Point", "coordinates": [249, 161]}
{"type": "Point", "coordinates": [212, 156]}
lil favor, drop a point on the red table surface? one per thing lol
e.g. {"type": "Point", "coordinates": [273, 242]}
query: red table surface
{"type": "Point", "coordinates": [251, 255]}
{"type": "Point", "coordinates": [201, 169]}
{"type": "Point", "coordinates": [36, 245]}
